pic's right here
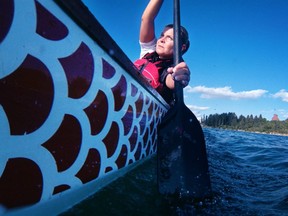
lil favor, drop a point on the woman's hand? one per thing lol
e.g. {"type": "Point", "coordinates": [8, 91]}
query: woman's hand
{"type": "Point", "coordinates": [180, 73]}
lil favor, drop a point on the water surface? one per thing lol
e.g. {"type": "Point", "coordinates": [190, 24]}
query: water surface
{"type": "Point", "coordinates": [249, 175]}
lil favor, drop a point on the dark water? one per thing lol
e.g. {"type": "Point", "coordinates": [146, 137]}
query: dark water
{"type": "Point", "coordinates": [249, 175]}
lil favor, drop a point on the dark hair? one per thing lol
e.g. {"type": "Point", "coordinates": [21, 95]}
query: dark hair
{"type": "Point", "coordinates": [184, 37]}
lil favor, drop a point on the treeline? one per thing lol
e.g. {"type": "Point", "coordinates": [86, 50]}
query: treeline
{"type": "Point", "coordinates": [248, 123]}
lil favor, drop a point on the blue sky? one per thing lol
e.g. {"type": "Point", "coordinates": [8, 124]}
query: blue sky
{"type": "Point", "coordinates": [238, 55]}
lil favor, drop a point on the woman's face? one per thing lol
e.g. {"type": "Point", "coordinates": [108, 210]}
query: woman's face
{"type": "Point", "coordinates": [164, 46]}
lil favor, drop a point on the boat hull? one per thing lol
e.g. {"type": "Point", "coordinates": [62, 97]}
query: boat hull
{"type": "Point", "coordinates": [74, 113]}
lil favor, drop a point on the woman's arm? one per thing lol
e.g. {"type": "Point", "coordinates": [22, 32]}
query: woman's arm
{"type": "Point", "coordinates": [147, 28]}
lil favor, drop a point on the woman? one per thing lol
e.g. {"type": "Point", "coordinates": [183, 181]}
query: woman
{"type": "Point", "coordinates": [156, 61]}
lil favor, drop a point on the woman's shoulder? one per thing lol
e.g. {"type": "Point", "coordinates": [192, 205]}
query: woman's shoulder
{"type": "Point", "coordinates": [147, 47]}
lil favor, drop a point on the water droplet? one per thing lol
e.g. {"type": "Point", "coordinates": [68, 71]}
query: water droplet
{"type": "Point", "coordinates": [111, 52]}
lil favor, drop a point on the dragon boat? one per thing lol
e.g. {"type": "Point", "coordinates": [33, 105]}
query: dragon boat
{"type": "Point", "coordinates": [75, 114]}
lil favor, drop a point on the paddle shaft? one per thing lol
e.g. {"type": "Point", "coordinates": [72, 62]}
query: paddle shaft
{"type": "Point", "coordinates": [181, 154]}
{"type": "Point", "coordinates": [177, 47]}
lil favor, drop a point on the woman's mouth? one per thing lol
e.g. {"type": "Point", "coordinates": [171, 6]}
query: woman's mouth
{"type": "Point", "coordinates": [159, 46]}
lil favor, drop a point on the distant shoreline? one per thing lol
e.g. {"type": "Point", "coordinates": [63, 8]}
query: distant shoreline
{"type": "Point", "coordinates": [257, 132]}
{"type": "Point", "coordinates": [270, 133]}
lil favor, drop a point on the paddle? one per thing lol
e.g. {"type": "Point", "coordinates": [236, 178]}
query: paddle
{"type": "Point", "coordinates": [181, 158]}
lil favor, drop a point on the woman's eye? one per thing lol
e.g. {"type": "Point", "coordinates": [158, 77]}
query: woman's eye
{"type": "Point", "coordinates": [169, 38]}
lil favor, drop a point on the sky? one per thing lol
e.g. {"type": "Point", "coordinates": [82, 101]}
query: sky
{"type": "Point", "coordinates": [238, 55]}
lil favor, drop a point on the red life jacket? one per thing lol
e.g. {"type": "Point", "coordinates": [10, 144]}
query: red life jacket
{"type": "Point", "coordinates": [149, 71]}
{"type": "Point", "coordinates": [152, 67]}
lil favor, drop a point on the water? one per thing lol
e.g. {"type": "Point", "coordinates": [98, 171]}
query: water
{"type": "Point", "coordinates": [249, 175]}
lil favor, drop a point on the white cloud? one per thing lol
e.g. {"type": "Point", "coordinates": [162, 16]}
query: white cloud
{"type": "Point", "coordinates": [193, 107]}
{"type": "Point", "coordinates": [225, 92]}
{"type": "Point", "coordinates": [283, 94]}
